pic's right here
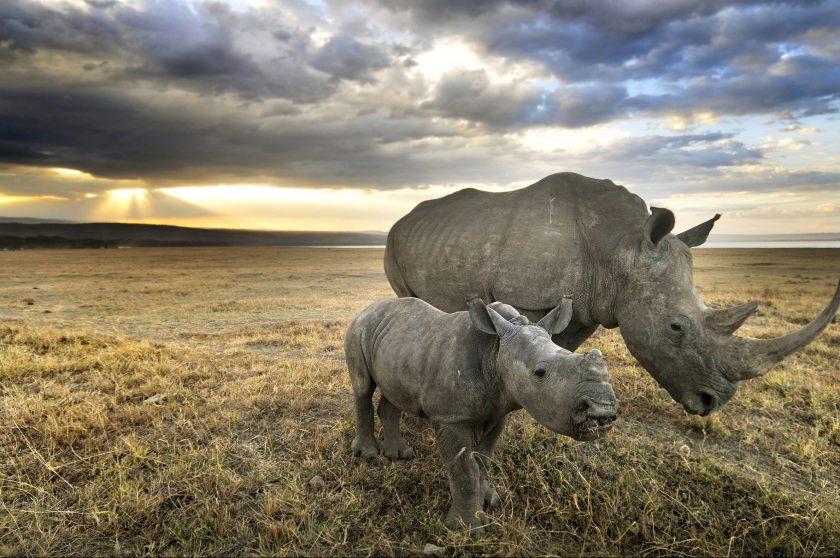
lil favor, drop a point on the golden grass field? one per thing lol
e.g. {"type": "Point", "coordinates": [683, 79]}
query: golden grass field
{"type": "Point", "coordinates": [181, 401]}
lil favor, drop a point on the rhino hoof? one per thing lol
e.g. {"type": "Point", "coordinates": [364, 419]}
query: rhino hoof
{"type": "Point", "coordinates": [404, 452]}
{"type": "Point", "coordinates": [364, 450]}
{"type": "Point", "coordinates": [473, 523]}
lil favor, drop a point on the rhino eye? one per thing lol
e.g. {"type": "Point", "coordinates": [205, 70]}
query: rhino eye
{"type": "Point", "coordinates": [539, 372]}
{"type": "Point", "coordinates": [676, 327]}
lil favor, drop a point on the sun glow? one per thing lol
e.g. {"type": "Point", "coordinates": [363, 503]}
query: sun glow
{"type": "Point", "coordinates": [254, 193]}
{"type": "Point", "coordinates": [123, 204]}
{"type": "Point", "coordinates": [69, 173]}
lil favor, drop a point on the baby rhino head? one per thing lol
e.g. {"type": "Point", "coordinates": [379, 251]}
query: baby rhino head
{"type": "Point", "coordinates": [566, 392]}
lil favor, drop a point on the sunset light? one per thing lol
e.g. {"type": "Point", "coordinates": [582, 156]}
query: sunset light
{"type": "Point", "coordinates": [127, 204]}
{"type": "Point", "coordinates": [258, 255]}
{"type": "Point", "coordinates": [343, 116]}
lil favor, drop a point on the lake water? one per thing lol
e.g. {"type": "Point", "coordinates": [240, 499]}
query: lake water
{"type": "Point", "coordinates": [776, 244]}
{"type": "Point", "coordinates": [736, 244]}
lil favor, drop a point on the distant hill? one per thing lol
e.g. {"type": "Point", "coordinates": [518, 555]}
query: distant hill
{"type": "Point", "coordinates": [23, 233]}
{"type": "Point", "coordinates": [32, 220]}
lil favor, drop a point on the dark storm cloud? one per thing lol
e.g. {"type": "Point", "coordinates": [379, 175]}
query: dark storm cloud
{"type": "Point", "coordinates": [200, 48]}
{"type": "Point", "coordinates": [112, 135]}
{"type": "Point", "coordinates": [174, 92]}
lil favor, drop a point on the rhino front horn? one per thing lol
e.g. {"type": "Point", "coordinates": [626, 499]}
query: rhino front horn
{"type": "Point", "coordinates": [728, 320]}
{"type": "Point", "coordinates": [754, 357]}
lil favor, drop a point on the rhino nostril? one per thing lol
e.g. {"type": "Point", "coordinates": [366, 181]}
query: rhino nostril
{"type": "Point", "coordinates": [708, 402]}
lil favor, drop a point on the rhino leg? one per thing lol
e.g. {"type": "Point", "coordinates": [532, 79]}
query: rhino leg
{"type": "Point", "coordinates": [456, 445]}
{"type": "Point", "coordinates": [393, 446]}
{"type": "Point", "coordinates": [364, 444]}
{"type": "Point", "coordinates": [485, 458]}
{"type": "Point", "coordinates": [573, 336]}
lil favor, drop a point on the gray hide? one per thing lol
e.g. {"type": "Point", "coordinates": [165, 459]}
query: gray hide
{"type": "Point", "coordinates": [466, 372]}
{"type": "Point", "coordinates": [569, 234]}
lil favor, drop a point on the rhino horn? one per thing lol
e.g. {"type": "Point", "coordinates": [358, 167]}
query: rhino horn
{"type": "Point", "coordinates": [729, 320]}
{"type": "Point", "coordinates": [660, 223]}
{"type": "Point", "coordinates": [695, 236]}
{"type": "Point", "coordinates": [754, 357]}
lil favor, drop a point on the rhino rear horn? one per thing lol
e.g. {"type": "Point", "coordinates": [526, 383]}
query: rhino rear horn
{"type": "Point", "coordinates": [556, 321]}
{"type": "Point", "coordinates": [695, 236]}
{"type": "Point", "coordinates": [757, 356]}
{"type": "Point", "coordinates": [728, 320]}
{"type": "Point", "coordinates": [660, 223]}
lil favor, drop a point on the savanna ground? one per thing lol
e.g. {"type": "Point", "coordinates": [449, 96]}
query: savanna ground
{"type": "Point", "coordinates": [195, 401]}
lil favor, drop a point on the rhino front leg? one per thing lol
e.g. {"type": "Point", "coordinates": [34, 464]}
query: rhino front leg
{"type": "Point", "coordinates": [456, 445]}
{"type": "Point", "coordinates": [485, 456]}
{"type": "Point", "coordinates": [393, 446]}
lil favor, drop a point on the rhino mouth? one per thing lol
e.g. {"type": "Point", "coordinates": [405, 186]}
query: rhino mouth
{"type": "Point", "coordinates": [592, 428]}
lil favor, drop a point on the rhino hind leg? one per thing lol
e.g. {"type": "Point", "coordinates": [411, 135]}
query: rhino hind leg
{"type": "Point", "coordinates": [393, 446]}
{"type": "Point", "coordinates": [455, 443]}
{"type": "Point", "coordinates": [485, 458]}
{"type": "Point", "coordinates": [364, 444]}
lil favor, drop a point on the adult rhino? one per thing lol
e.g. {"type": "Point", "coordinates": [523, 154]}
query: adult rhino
{"type": "Point", "coordinates": [596, 242]}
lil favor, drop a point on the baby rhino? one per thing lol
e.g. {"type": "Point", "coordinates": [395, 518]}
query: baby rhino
{"type": "Point", "coordinates": [466, 371]}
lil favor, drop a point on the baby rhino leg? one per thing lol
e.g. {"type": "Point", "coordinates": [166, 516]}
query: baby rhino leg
{"type": "Point", "coordinates": [485, 458]}
{"type": "Point", "coordinates": [364, 444]}
{"type": "Point", "coordinates": [456, 444]}
{"type": "Point", "coordinates": [393, 446]}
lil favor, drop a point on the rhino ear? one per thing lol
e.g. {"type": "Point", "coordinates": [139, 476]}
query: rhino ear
{"type": "Point", "coordinates": [696, 236]}
{"type": "Point", "coordinates": [503, 327]}
{"type": "Point", "coordinates": [556, 321]}
{"type": "Point", "coordinates": [479, 316]}
{"type": "Point", "coordinates": [660, 223]}
{"type": "Point", "coordinates": [488, 320]}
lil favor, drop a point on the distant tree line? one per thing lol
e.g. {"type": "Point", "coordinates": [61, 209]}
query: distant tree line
{"type": "Point", "coordinates": [42, 242]}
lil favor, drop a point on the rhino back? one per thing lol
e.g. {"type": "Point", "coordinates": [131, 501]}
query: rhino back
{"type": "Point", "coordinates": [425, 361]}
{"type": "Point", "coordinates": [527, 247]}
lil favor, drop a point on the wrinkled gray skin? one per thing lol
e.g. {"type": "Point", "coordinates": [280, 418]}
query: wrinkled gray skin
{"type": "Point", "coordinates": [466, 372]}
{"type": "Point", "coordinates": [572, 235]}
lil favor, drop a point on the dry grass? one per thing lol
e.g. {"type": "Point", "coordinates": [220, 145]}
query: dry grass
{"type": "Point", "coordinates": [180, 401]}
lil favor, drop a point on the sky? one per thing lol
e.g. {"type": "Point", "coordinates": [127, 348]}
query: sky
{"type": "Point", "coordinates": [343, 115]}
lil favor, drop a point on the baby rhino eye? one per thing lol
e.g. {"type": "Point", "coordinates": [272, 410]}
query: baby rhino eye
{"type": "Point", "coordinates": [539, 372]}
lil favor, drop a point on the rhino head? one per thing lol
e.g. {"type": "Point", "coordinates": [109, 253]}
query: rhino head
{"type": "Point", "coordinates": [691, 350]}
{"type": "Point", "coordinates": [566, 392]}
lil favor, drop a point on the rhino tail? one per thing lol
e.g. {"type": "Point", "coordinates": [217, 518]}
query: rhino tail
{"type": "Point", "coordinates": [393, 271]}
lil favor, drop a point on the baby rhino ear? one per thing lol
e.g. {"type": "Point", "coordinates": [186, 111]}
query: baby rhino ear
{"type": "Point", "coordinates": [556, 321]}
{"type": "Point", "coordinates": [488, 320]}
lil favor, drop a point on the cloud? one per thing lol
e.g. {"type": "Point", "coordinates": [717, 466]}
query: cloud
{"type": "Point", "coordinates": [345, 94]}
{"type": "Point", "coordinates": [343, 57]}
{"type": "Point", "coordinates": [706, 55]}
